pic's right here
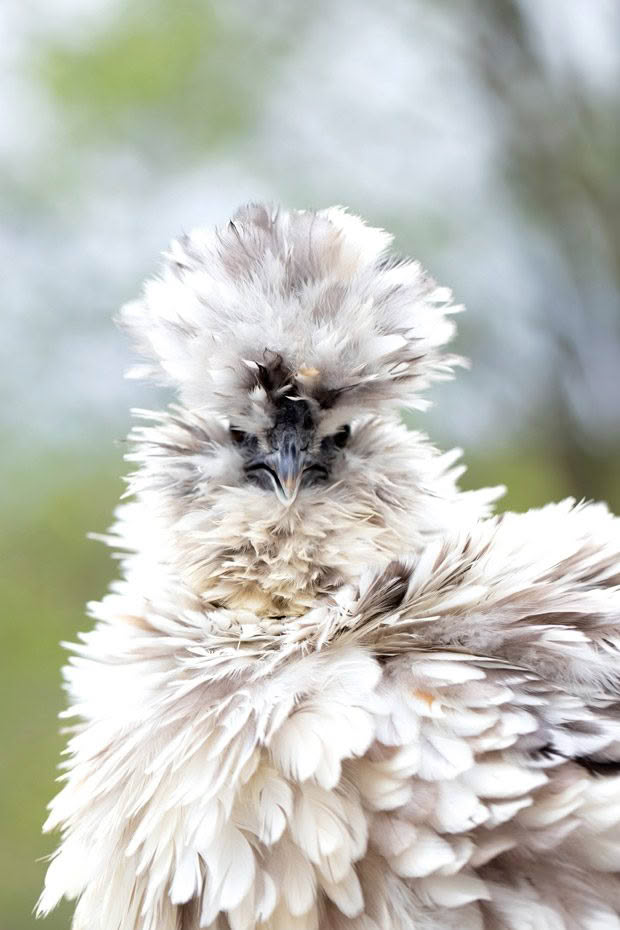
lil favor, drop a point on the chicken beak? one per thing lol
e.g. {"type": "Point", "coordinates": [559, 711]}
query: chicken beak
{"type": "Point", "coordinates": [289, 466]}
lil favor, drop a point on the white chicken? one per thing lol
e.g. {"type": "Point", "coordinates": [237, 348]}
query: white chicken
{"type": "Point", "coordinates": [331, 690]}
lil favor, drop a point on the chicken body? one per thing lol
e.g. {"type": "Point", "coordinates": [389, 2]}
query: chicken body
{"type": "Point", "coordinates": [331, 690]}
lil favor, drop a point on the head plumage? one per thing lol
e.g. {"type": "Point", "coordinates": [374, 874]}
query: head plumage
{"type": "Point", "coordinates": [297, 302]}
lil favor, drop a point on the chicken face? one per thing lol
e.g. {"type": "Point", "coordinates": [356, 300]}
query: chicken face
{"type": "Point", "coordinates": [291, 454]}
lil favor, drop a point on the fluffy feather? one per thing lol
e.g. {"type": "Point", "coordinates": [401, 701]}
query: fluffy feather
{"type": "Point", "coordinates": [377, 708]}
{"type": "Point", "coordinates": [307, 295]}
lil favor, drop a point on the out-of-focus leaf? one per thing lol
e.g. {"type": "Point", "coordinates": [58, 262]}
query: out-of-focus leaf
{"type": "Point", "coordinates": [159, 75]}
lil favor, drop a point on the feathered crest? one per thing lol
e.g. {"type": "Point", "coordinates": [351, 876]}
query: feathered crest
{"type": "Point", "coordinates": [299, 302]}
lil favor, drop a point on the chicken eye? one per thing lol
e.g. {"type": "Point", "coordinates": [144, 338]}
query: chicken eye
{"type": "Point", "coordinates": [237, 435]}
{"type": "Point", "coordinates": [341, 438]}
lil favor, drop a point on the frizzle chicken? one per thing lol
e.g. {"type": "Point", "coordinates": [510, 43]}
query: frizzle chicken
{"type": "Point", "coordinates": [330, 689]}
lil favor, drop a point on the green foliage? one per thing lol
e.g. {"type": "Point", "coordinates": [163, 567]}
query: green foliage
{"type": "Point", "coordinates": [159, 76]}
{"type": "Point", "coordinates": [533, 477]}
{"type": "Point", "coordinates": [48, 571]}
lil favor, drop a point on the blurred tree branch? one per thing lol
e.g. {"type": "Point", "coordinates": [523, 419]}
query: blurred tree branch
{"type": "Point", "coordinates": [559, 147]}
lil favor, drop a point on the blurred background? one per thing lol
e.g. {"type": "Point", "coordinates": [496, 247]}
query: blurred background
{"type": "Point", "coordinates": [484, 133]}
